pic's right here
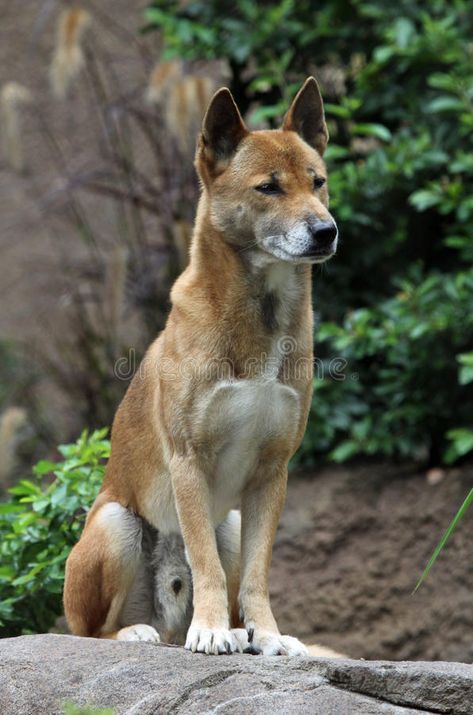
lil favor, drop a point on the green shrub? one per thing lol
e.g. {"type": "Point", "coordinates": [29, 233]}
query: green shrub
{"type": "Point", "coordinates": [402, 388]}
{"type": "Point", "coordinates": [38, 527]}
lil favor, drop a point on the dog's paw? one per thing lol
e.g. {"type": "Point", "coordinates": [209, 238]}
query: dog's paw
{"type": "Point", "coordinates": [139, 632]}
{"type": "Point", "coordinates": [264, 643]}
{"type": "Point", "coordinates": [293, 646]}
{"type": "Point", "coordinates": [240, 635]}
{"type": "Point", "coordinates": [212, 641]}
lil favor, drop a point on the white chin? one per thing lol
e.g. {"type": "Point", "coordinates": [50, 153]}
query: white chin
{"type": "Point", "coordinates": [281, 255]}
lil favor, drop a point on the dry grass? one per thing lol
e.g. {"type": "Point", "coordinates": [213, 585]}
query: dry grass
{"type": "Point", "coordinates": [127, 211]}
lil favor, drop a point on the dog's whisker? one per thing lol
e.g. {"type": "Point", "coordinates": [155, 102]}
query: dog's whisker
{"type": "Point", "coordinates": [252, 244]}
{"type": "Point", "coordinates": [257, 243]}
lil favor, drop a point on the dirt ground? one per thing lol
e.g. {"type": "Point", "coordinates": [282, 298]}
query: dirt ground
{"type": "Point", "coordinates": [351, 545]}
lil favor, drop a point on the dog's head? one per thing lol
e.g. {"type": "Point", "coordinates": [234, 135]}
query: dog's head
{"type": "Point", "coordinates": [267, 190]}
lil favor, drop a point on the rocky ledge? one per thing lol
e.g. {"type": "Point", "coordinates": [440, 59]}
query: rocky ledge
{"type": "Point", "coordinates": [40, 674]}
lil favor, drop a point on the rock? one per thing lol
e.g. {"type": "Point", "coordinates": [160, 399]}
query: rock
{"type": "Point", "coordinates": [434, 476]}
{"type": "Point", "coordinates": [39, 674]}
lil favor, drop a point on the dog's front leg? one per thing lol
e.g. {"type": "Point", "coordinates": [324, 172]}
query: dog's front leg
{"type": "Point", "coordinates": [262, 504]}
{"type": "Point", "coordinates": [209, 631]}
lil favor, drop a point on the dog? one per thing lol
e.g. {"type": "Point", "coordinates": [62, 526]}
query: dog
{"type": "Point", "coordinates": [220, 403]}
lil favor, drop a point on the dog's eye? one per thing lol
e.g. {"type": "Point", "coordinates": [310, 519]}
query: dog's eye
{"type": "Point", "coordinates": [270, 188]}
{"type": "Point", "coordinates": [318, 182]}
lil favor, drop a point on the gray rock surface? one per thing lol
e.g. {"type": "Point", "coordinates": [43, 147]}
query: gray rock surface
{"type": "Point", "coordinates": [38, 674]}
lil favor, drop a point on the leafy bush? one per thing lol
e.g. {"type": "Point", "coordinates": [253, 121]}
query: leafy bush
{"type": "Point", "coordinates": [398, 86]}
{"type": "Point", "coordinates": [38, 527]}
{"type": "Point", "coordinates": [400, 389]}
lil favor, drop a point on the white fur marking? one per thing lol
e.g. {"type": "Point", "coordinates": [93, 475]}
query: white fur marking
{"type": "Point", "coordinates": [215, 641]}
{"type": "Point", "coordinates": [274, 644]}
{"type": "Point", "coordinates": [122, 527]}
{"type": "Point", "coordinates": [242, 415]}
{"type": "Point", "coordinates": [139, 632]}
{"type": "Point", "coordinates": [292, 245]}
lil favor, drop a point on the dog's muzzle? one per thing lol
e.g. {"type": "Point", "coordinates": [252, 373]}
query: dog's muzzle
{"type": "Point", "coordinates": [324, 236]}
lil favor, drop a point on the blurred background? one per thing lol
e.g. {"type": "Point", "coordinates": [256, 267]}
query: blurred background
{"type": "Point", "coordinates": [100, 104]}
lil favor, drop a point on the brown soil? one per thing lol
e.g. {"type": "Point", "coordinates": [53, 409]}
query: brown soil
{"type": "Point", "coordinates": [351, 545]}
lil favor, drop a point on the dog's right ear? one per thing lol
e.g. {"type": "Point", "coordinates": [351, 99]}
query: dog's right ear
{"type": "Point", "coordinates": [222, 131]}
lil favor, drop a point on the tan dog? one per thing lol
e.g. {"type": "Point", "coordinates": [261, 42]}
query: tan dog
{"type": "Point", "coordinates": [220, 403]}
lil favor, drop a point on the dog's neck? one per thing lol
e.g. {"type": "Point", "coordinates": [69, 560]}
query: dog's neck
{"type": "Point", "coordinates": [227, 271]}
{"type": "Point", "coordinates": [251, 304]}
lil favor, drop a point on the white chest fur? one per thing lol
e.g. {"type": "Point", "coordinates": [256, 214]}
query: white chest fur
{"type": "Point", "coordinates": [237, 418]}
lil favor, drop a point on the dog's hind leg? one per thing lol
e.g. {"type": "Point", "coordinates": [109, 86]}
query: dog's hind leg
{"type": "Point", "coordinates": [100, 572]}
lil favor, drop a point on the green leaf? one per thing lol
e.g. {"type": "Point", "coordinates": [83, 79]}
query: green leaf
{"type": "Point", "coordinates": [154, 15]}
{"type": "Point", "coordinates": [337, 110]}
{"type": "Point", "coordinates": [9, 508]}
{"type": "Point", "coordinates": [373, 130]}
{"type": "Point", "coordinates": [444, 81]}
{"type": "Point", "coordinates": [267, 112]}
{"type": "Point", "coordinates": [466, 369]}
{"type": "Point", "coordinates": [424, 199]}
{"type": "Point", "coordinates": [335, 152]}
{"type": "Point", "coordinates": [40, 504]}
{"type": "Point", "coordinates": [383, 54]}
{"type": "Point", "coordinates": [462, 443]}
{"type": "Point", "coordinates": [451, 528]}
{"type": "Point", "coordinates": [466, 375]}
{"type": "Point", "coordinates": [71, 709]}
{"type": "Point", "coordinates": [58, 495]}
{"type": "Point", "coordinates": [25, 487]}
{"type": "Point", "coordinates": [445, 104]}
{"type": "Point", "coordinates": [344, 451]}
{"type": "Point", "coordinates": [44, 467]}
{"type": "Point", "coordinates": [404, 31]}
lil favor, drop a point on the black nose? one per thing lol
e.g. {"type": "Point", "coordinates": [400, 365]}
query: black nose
{"type": "Point", "coordinates": [176, 585]}
{"type": "Point", "coordinates": [323, 233]}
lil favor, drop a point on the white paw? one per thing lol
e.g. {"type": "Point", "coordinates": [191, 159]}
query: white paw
{"type": "Point", "coordinates": [241, 637]}
{"type": "Point", "coordinates": [274, 644]}
{"type": "Point", "coordinates": [139, 632]}
{"type": "Point", "coordinates": [320, 651]}
{"type": "Point", "coordinates": [293, 646]}
{"type": "Point", "coordinates": [213, 641]}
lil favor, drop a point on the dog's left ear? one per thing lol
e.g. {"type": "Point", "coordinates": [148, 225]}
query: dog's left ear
{"type": "Point", "coordinates": [306, 116]}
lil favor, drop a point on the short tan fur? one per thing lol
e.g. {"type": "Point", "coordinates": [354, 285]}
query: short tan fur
{"type": "Point", "coordinates": [221, 400]}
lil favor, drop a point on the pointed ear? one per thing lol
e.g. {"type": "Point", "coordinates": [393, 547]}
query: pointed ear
{"type": "Point", "coordinates": [306, 116]}
{"type": "Point", "coordinates": [222, 128]}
